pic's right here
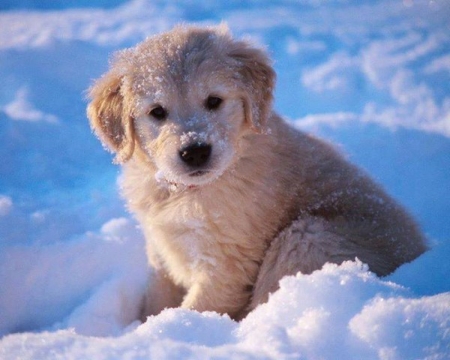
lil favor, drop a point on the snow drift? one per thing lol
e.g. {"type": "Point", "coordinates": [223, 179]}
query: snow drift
{"type": "Point", "coordinates": [337, 312]}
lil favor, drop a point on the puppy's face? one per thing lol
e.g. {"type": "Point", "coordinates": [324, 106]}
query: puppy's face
{"type": "Point", "coordinates": [185, 98]}
{"type": "Point", "coordinates": [189, 124]}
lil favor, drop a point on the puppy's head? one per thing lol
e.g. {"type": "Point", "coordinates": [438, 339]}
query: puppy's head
{"type": "Point", "coordinates": [186, 98]}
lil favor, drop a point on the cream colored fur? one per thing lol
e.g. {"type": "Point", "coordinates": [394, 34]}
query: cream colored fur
{"type": "Point", "coordinates": [271, 201]}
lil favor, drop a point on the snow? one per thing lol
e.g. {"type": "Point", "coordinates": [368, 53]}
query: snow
{"type": "Point", "coordinates": [93, 284]}
{"type": "Point", "coordinates": [21, 109]}
{"type": "Point", "coordinates": [398, 328]}
{"type": "Point", "coordinates": [370, 75]}
{"type": "Point", "coordinates": [5, 205]}
{"type": "Point", "coordinates": [340, 311]}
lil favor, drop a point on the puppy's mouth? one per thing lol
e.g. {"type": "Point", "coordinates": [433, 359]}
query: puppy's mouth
{"type": "Point", "coordinates": [198, 173]}
{"type": "Point", "coordinates": [190, 180]}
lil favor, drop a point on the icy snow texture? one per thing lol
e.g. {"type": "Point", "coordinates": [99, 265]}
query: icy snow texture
{"type": "Point", "coordinates": [5, 205]}
{"type": "Point", "coordinates": [94, 284]}
{"type": "Point", "coordinates": [21, 109]}
{"type": "Point", "coordinates": [339, 312]}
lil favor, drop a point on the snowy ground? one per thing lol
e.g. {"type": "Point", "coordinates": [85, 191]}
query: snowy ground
{"type": "Point", "coordinates": [370, 75]}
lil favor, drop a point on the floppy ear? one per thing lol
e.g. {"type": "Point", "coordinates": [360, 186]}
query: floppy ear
{"type": "Point", "coordinates": [258, 77]}
{"type": "Point", "coordinates": [110, 118]}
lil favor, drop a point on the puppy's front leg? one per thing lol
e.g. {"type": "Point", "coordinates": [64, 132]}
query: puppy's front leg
{"type": "Point", "coordinates": [162, 293]}
{"type": "Point", "coordinates": [217, 295]}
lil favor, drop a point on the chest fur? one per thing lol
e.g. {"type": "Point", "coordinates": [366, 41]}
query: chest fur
{"type": "Point", "coordinates": [195, 235]}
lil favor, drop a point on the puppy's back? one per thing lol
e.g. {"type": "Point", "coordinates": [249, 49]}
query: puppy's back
{"type": "Point", "coordinates": [321, 183]}
{"type": "Point", "coordinates": [335, 212]}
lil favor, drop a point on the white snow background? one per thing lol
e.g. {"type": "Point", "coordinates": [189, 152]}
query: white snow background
{"type": "Point", "coordinates": [373, 76]}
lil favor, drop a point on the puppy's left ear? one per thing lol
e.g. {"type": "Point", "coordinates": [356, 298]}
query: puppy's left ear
{"type": "Point", "coordinates": [258, 78]}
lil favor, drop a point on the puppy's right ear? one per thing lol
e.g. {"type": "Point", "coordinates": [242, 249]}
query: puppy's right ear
{"type": "Point", "coordinates": [110, 118]}
{"type": "Point", "coordinates": [258, 78]}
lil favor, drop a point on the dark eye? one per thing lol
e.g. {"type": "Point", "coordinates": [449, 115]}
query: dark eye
{"type": "Point", "coordinates": [159, 113]}
{"type": "Point", "coordinates": [213, 102]}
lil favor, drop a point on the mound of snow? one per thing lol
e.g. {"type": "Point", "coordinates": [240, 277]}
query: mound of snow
{"type": "Point", "coordinates": [338, 312]}
{"type": "Point", "coordinates": [93, 284]}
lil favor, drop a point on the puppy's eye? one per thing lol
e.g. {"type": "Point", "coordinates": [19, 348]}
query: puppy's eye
{"type": "Point", "coordinates": [159, 113]}
{"type": "Point", "coordinates": [213, 102]}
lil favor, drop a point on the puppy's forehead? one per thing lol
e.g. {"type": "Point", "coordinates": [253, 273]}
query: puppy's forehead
{"type": "Point", "coordinates": [173, 60]}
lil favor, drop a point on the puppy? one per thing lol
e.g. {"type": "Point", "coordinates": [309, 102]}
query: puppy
{"type": "Point", "coordinates": [230, 197]}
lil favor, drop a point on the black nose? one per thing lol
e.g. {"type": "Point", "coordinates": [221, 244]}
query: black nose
{"type": "Point", "coordinates": [196, 155]}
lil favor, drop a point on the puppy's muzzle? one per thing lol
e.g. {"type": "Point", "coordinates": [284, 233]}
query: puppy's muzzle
{"type": "Point", "coordinates": [196, 155]}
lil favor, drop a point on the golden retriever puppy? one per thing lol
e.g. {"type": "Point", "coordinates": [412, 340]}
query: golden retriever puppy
{"type": "Point", "coordinates": [230, 197]}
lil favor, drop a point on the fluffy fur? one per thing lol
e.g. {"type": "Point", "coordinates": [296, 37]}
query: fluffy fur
{"type": "Point", "coordinates": [268, 201]}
